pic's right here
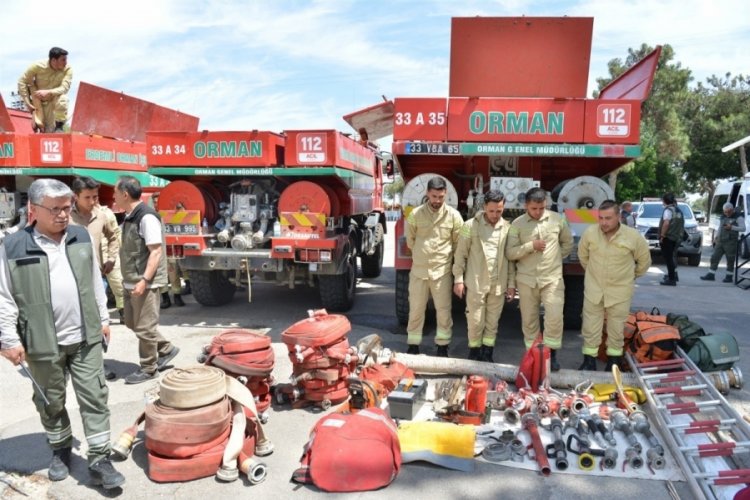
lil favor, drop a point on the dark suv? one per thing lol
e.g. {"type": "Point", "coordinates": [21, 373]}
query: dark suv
{"type": "Point", "coordinates": [647, 223]}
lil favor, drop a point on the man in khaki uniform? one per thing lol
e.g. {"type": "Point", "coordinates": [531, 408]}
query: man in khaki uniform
{"type": "Point", "coordinates": [431, 234]}
{"type": "Point", "coordinates": [104, 230]}
{"type": "Point", "coordinates": [484, 274]}
{"type": "Point", "coordinates": [614, 255]}
{"type": "Point", "coordinates": [538, 241]}
{"type": "Point", "coordinates": [43, 88]}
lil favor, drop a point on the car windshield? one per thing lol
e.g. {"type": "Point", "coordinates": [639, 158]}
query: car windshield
{"type": "Point", "coordinates": [654, 211]}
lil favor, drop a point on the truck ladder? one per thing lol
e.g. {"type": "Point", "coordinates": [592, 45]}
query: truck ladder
{"type": "Point", "coordinates": [704, 432]}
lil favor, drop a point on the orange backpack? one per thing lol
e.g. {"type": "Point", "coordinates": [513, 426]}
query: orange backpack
{"type": "Point", "coordinates": [654, 341]}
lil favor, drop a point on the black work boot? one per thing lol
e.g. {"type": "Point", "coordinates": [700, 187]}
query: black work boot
{"type": "Point", "coordinates": [178, 300]}
{"type": "Point", "coordinates": [165, 302]}
{"type": "Point", "coordinates": [589, 363]}
{"type": "Point", "coordinates": [474, 353]}
{"type": "Point", "coordinates": [442, 351]}
{"type": "Point", "coordinates": [59, 466]}
{"type": "Point", "coordinates": [59, 127]}
{"type": "Point", "coordinates": [486, 355]}
{"type": "Point", "coordinates": [553, 364]}
{"type": "Point", "coordinates": [104, 474]}
{"type": "Point", "coordinates": [413, 349]}
{"type": "Point", "coordinates": [611, 361]}
{"type": "Point", "coordinates": [187, 290]}
{"type": "Point", "coordinates": [728, 278]}
{"type": "Point", "coordinates": [121, 312]}
{"type": "Point", "coordinates": [709, 276]}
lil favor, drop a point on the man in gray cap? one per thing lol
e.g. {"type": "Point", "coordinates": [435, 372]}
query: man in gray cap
{"type": "Point", "coordinates": [731, 224]}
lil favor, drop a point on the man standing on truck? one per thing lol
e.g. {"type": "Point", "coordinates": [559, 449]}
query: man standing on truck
{"type": "Point", "coordinates": [432, 231]}
{"type": "Point", "coordinates": [43, 88]}
{"type": "Point", "coordinates": [538, 242]}
{"type": "Point", "coordinates": [53, 315]}
{"type": "Point", "coordinates": [731, 225]}
{"type": "Point", "coordinates": [613, 256]}
{"type": "Point", "coordinates": [671, 227]}
{"type": "Point", "coordinates": [482, 272]}
{"type": "Point", "coordinates": [144, 272]}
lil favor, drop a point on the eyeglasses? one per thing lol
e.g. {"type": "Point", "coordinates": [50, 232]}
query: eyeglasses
{"type": "Point", "coordinates": [57, 210]}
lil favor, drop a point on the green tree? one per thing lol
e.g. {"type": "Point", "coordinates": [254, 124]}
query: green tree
{"type": "Point", "coordinates": [720, 112]}
{"type": "Point", "coordinates": [665, 143]}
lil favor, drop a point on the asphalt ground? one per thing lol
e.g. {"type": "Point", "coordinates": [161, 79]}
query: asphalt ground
{"type": "Point", "coordinates": [24, 455]}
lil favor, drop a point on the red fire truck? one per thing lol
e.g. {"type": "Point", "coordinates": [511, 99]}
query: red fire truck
{"type": "Point", "coordinates": [517, 116]}
{"type": "Point", "coordinates": [295, 208]}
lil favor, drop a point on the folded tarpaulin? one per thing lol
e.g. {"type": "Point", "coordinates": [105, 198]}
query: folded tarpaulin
{"type": "Point", "coordinates": [441, 443]}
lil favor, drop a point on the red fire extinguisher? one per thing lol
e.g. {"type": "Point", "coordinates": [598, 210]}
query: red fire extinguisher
{"type": "Point", "coordinates": [476, 394]}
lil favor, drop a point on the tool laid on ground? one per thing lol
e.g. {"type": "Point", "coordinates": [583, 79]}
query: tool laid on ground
{"type": "Point", "coordinates": [703, 431]}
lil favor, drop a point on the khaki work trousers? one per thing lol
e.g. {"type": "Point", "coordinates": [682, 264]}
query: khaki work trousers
{"type": "Point", "coordinates": [593, 324]}
{"type": "Point", "coordinates": [174, 275]}
{"type": "Point", "coordinates": [50, 111]}
{"type": "Point", "coordinates": [420, 291]}
{"type": "Point", "coordinates": [483, 312]}
{"type": "Point", "coordinates": [114, 279]}
{"type": "Point", "coordinates": [552, 295]}
{"type": "Point", "coordinates": [84, 364]}
{"type": "Point", "coordinates": [142, 316]}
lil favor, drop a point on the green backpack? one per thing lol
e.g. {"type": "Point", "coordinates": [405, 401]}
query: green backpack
{"type": "Point", "coordinates": [715, 352]}
{"type": "Point", "coordinates": [690, 331]}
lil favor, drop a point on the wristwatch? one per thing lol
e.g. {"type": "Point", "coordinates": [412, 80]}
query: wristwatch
{"type": "Point", "coordinates": [148, 281]}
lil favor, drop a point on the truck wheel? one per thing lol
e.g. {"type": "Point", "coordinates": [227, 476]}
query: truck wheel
{"type": "Point", "coordinates": [746, 248]}
{"type": "Point", "coordinates": [573, 308]}
{"type": "Point", "coordinates": [211, 288]}
{"type": "Point", "coordinates": [337, 290]}
{"type": "Point", "coordinates": [372, 265]}
{"type": "Point", "coordinates": [402, 297]}
{"type": "Point", "coordinates": [694, 260]}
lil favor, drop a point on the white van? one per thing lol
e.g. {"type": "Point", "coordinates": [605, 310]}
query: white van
{"type": "Point", "coordinates": [736, 192]}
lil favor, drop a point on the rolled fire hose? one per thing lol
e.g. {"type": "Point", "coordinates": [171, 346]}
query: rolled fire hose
{"type": "Point", "coordinates": [566, 379]}
{"type": "Point", "coordinates": [193, 387]}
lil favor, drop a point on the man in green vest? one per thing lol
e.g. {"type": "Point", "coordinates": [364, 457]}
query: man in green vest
{"type": "Point", "coordinates": [53, 316]}
{"type": "Point", "coordinates": [143, 264]}
{"type": "Point", "coordinates": [731, 224]}
{"type": "Point", "coordinates": [671, 229]}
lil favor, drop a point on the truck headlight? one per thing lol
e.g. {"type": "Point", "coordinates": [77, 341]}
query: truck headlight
{"type": "Point", "coordinates": [692, 230]}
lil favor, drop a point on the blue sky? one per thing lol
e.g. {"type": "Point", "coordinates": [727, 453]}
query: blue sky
{"type": "Point", "coordinates": [274, 65]}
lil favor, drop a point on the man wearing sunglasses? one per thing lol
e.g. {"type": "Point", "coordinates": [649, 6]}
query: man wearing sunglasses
{"type": "Point", "coordinates": [53, 316]}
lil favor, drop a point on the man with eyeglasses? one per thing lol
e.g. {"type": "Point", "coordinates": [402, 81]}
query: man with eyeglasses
{"type": "Point", "coordinates": [53, 316]}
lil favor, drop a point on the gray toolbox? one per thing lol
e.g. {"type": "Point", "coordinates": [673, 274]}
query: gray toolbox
{"type": "Point", "coordinates": [405, 401]}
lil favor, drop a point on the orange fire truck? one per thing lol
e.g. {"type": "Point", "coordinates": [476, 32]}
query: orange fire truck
{"type": "Point", "coordinates": [295, 208]}
{"type": "Point", "coordinates": [517, 116]}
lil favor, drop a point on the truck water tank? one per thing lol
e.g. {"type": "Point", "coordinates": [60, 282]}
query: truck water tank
{"type": "Point", "coordinates": [306, 196]}
{"type": "Point", "coordinates": [191, 196]}
{"type": "Point", "coordinates": [415, 191]}
{"type": "Point", "coordinates": [581, 192]}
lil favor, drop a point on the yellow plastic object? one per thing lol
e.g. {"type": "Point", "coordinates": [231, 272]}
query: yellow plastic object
{"type": "Point", "coordinates": [440, 443]}
{"type": "Point", "coordinates": [608, 392]}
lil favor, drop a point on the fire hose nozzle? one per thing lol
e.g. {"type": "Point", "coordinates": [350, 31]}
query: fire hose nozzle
{"type": "Point", "coordinates": [655, 459]}
{"type": "Point", "coordinates": [264, 447]}
{"type": "Point", "coordinates": [609, 461]}
{"type": "Point", "coordinates": [586, 462]}
{"type": "Point", "coordinates": [633, 458]}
